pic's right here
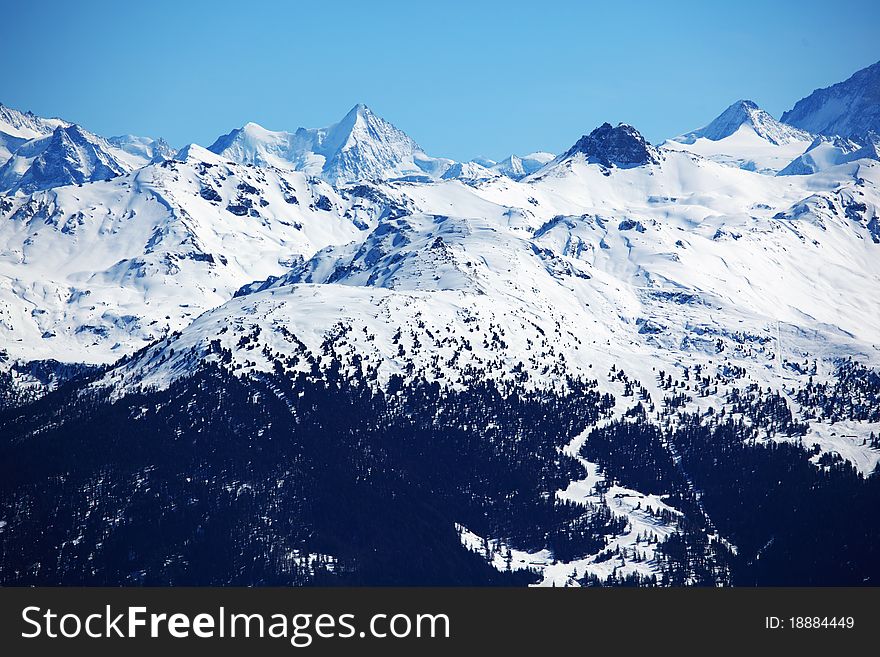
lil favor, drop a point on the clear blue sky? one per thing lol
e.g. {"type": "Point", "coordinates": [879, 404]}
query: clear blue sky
{"type": "Point", "coordinates": [462, 78]}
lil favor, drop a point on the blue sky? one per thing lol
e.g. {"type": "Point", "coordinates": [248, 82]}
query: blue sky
{"type": "Point", "coordinates": [464, 79]}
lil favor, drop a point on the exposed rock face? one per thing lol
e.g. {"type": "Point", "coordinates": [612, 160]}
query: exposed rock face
{"type": "Point", "coordinates": [623, 146]}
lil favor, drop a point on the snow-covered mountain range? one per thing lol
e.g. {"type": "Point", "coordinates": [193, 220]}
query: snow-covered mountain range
{"type": "Point", "coordinates": [360, 147]}
{"type": "Point", "coordinates": [645, 265]}
{"type": "Point", "coordinates": [728, 275]}
{"type": "Point", "coordinates": [93, 272]}
{"type": "Point", "coordinates": [517, 167]}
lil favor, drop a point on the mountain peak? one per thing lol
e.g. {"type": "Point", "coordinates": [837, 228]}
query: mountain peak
{"type": "Point", "coordinates": [67, 156]}
{"type": "Point", "coordinates": [196, 153]}
{"type": "Point", "coordinates": [74, 132]}
{"type": "Point", "coordinates": [622, 146]}
{"type": "Point", "coordinates": [360, 114]}
{"type": "Point", "coordinates": [254, 144]}
{"type": "Point", "coordinates": [361, 146]}
{"type": "Point", "coordinates": [361, 121]}
{"type": "Point", "coordinates": [360, 109]}
{"type": "Point", "coordinates": [747, 113]}
{"type": "Point", "coordinates": [744, 111]}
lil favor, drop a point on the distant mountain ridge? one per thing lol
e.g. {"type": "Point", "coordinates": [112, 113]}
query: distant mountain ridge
{"type": "Point", "coordinates": [517, 167]}
{"type": "Point", "coordinates": [38, 153]}
{"type": "Point", "coordinates": [147, 148]}
{"type": "Point", "coordinates": [361, 146]}
{"type": "Point", "coordinates": [825, 152]}
{"type": "Point", "coordinates": [18, 127]}
{"type": "Point", "coordinates": [26, 125]}
{"type": "Point", "coordinates": [850, 108]}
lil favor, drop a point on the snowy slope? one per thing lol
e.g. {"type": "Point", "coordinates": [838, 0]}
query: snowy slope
{"type": "Point", "coordinates": [823, 153]}
{"type": "Point", "coordinates": [254, 144]}
{"type": "Point", "coordinates": [848, 108]}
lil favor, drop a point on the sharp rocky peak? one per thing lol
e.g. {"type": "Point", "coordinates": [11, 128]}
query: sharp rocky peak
{"type": "Point", "coordinates": [621, 146]}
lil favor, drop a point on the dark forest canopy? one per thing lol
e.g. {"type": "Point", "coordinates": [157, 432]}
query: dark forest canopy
{"type": "Point", "coordinates": [300, 479]}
